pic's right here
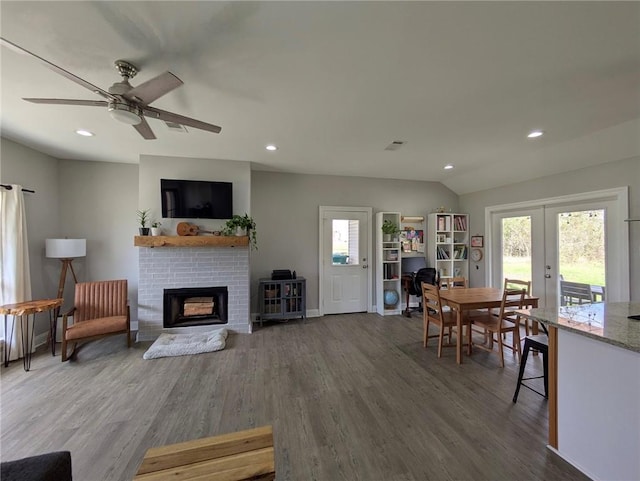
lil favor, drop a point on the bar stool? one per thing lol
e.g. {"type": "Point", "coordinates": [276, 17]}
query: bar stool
{"type": "Point", "coordinates": [539, 342]}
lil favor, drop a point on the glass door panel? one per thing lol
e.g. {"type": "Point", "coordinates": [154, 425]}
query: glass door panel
{"type": "Point", "coordinates": [581, 257]}
{"type": "Point", "coordinates": [516, 248]}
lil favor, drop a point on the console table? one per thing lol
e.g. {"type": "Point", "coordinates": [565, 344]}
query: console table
{"type": "Point", "coordinates": [26, 311]}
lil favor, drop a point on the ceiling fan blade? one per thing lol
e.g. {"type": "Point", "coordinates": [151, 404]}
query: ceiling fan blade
{"type": "Point", "coordinates": [179, 119]}
{"type": "Point", "coordinates": [153, 89]}
{"type": "Point", "coordinates": [88, 103]}
{"type": "Point", "coordinates": [59, 70]}
{"type": "Point", "coordinates": [144, 130]}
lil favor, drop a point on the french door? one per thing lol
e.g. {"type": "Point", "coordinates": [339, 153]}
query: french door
{"type": "Point", "coordinates": [563, 246]}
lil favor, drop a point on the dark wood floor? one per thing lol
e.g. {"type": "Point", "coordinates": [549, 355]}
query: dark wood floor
{"type": "Point", "coordinates": [349, 397]}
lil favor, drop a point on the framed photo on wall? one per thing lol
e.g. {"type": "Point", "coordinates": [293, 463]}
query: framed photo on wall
{"type": "Point", "coordinates": [477, 241]}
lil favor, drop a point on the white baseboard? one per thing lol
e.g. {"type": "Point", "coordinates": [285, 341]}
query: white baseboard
{"type": "Point", "coordinates": [571, 462]}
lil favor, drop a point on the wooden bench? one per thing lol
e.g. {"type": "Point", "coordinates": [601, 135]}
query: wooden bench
{"type": "Point", "coordinates": [243, 455]}
{"type": "Point", "coordinates": [575, 293]}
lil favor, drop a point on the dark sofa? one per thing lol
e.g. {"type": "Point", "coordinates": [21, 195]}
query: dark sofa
{"type": "Point", "coordinates": [54, 466]}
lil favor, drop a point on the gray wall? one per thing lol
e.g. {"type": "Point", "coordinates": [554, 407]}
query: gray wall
{"type": "Point", "coordinates": [153, 168]}
{"type": "Point", "coordinates": [614, 174]}
{"type": "Point", "coordinates": [92, 200]}
{"type": "Point", "coordinates": [36, 171]}
{"type": "Point", "coordinates": [285, 208]}
{"type": "Point", "coordinates": [98, 202]}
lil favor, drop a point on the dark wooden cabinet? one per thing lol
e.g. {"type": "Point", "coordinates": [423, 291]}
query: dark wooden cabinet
{"type": "Point", "coordinates": [282, 299]}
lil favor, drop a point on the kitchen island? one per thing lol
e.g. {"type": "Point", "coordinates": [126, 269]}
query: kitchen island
{"type": "Point", "coordinates": [594, 387]}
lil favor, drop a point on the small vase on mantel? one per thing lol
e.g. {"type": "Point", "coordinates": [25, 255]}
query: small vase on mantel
{"type": "Point", "coordinates": [240, 231]}
{"type": "Point", "coordinates": [144, 230]}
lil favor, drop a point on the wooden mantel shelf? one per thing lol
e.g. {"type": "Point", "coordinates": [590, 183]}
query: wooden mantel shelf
{"type": "Point", "coordinates": [190, 241]}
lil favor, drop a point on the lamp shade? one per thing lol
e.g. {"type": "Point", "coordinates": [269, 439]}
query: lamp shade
{"type": "Point", "coordinates": [65, 248]}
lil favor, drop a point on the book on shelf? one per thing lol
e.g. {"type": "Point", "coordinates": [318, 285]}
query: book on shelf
{"type": "Point", "coordinates": [460, 223]}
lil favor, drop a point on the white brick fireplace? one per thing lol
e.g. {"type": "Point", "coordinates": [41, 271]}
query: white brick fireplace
{"type": "Point", "coordinates": [186, 266]}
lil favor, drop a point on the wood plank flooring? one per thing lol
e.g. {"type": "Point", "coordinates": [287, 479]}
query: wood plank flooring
{"type": "Point", "coordinates": [350, 397]}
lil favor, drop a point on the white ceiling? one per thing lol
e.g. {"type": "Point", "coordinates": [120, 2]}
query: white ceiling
{"type": "Point", "coordinates": [333, 83]}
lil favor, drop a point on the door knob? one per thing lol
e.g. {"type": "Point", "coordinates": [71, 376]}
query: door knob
{"type": "Point", "coordinates": [365, 266]}
{"type": "Point", "coordinates": [547, 276]}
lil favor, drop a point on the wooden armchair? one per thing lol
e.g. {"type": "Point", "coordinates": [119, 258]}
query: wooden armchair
{"type": "Point", "coordinates": [100, 309]}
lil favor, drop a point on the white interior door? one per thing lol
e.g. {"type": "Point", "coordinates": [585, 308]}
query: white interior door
{"type": "Point", "coordinates": [345, 248]}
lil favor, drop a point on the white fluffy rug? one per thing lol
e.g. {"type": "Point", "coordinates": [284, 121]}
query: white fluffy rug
{"type": "Point", "coordinates": [168, 345]}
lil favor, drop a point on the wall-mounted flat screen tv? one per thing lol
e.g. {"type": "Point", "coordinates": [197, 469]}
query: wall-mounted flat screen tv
{"type": "Point", "coordinates": [196, 199]}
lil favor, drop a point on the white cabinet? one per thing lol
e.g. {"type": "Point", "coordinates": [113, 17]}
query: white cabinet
{"type": "Point", "coordinates": [448, 244]}
{"type": "Point", "coordinates": [388, 266]}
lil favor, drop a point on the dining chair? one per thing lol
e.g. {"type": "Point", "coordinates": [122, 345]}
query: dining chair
{"type": "Point", "coordinates": [520, 284]}
{"type": "Point", "coordinates": [453, 282]}
{"type": "Point", "coordinates": [457, 282]}
{"type": "Point", "coordinates": [434, 313]}
{"type": "Point", "coordinates": [100, 309]}
{"type": "Point", "coordinates": [507, 321]}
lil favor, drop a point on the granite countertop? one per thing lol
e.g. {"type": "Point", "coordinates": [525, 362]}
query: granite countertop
{"type": "Point", "coordinates": [605, 321]}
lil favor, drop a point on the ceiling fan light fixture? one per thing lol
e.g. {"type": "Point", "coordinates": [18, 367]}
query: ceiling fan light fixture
{"type": "Point", "coordinates": [127, 114]}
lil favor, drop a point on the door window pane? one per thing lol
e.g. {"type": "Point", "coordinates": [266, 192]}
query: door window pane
{"type": "Point", "coordinates": [581, 259]}
{"type": "Point", "coordinates": [516, 248]}
{"type": "Point", "coordinates": [345, 242]}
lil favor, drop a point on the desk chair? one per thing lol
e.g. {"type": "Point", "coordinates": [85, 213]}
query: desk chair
{"type": "Point", "coordinates": [425, 275]}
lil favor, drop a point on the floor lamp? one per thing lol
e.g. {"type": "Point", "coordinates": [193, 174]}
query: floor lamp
{"type": "Point", "coordinates": [66, 250]}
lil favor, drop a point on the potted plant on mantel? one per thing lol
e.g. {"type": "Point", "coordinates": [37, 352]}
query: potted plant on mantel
{"type": "Point", "coordinates": [242, 225]}
{"type": "Point", "coordinates": [155, 228]}
{"type": "Point", "coordinates": [143, 218]}
{"type": "Point", "coordinates": [389, 229]}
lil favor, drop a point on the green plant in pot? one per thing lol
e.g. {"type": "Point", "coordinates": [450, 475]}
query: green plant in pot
{"type": "Point", "coordinates": [242, 225]}
{"type": "Point", "coordinates": [143, 218]}
{"type": "Point", "coordinates": [155, 227]}
{"type": "Point", "coordinates": [389, 229]}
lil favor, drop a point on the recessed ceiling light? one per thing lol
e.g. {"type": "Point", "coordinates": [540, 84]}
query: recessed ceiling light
{"type": "Point", "coordinates": [84, 133]}
{"type": "Point", "coordinates": [271, 147]}
{"type": "Point", "coordinates": [448, 167]}
{"type": "Point", "coordinates": [535, 133]}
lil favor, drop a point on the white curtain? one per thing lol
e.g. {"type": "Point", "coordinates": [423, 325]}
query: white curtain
{"type": "Point", "coordinates": [14, 261]}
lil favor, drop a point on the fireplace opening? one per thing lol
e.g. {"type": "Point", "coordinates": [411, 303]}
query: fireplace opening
{"type": "Point", "coordinates": [195, 306]}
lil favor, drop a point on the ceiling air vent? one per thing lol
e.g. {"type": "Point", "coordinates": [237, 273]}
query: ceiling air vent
{"type": "Point", "coordinates": [395, 145]}
{"type": "Point", "coordinates": [174, 127]}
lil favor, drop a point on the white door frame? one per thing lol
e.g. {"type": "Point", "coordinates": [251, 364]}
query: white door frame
{"type": "Point", "coordinates": [619, 196]}
{"type": "Point", "coordinates": [326, 208]}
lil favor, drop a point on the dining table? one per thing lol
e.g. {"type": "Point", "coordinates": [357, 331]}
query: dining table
{"type": "Point", "coordinates": [462, 300]}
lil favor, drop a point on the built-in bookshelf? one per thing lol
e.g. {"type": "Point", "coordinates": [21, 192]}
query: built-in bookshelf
{"type": "Point", "coordinates": [448, 244]}
{"type": "Point", "coordinates": [388, 266]}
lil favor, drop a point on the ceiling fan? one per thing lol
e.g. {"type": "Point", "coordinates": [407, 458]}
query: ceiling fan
{"type": "Point", "coordinates": [125, 103]}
